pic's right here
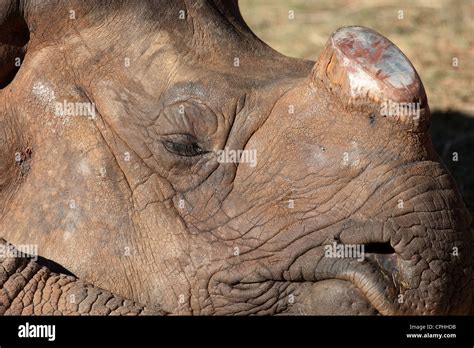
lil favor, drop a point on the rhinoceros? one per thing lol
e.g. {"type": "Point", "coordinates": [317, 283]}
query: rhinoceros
{"type": "Point", "coordinates": [156, 157]}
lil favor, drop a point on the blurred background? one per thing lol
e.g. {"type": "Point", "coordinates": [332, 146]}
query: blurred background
{"type": "Point", "coordinates": [436, 35]}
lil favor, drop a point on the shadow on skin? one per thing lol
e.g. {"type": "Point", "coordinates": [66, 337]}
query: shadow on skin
{"type": "Point", "coordinates": [54, 266]}
{"type": "Point", "coordinates": [453, 132]}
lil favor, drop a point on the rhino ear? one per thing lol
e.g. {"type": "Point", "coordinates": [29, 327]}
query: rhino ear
{"type": "Point", "coordinates": [14, 36]}
{"type": "Point", "coordinates": [363, 66]}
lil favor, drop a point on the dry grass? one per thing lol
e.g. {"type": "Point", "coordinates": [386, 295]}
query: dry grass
{"type": "Point", "coordinates": [431, 33]}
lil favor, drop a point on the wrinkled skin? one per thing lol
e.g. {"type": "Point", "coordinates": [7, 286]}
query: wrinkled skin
{"type": "Point", "coordinates": [114, 200]}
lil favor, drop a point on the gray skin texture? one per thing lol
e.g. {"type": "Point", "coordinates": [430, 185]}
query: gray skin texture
{"type": "Point", "coordinates": [134, 200]}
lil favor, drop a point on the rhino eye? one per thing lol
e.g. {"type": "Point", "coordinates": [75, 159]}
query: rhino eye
{"type": "Point", "coordinates": [185, 146]}
{"type": "Point", "coordinates": [188, 150]}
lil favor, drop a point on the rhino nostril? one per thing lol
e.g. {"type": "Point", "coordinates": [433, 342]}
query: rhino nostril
{"type": "Point", "coordinates": [385, 257]}
{"type": "Point", "coordinates": [378, 248]}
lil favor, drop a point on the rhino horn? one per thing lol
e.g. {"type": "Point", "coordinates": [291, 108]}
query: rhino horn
{"type": "Point", "coordinates": [361, 66]}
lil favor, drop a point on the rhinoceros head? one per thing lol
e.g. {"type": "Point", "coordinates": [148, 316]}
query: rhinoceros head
{"type": "Point", "coordinates": [163, 152]}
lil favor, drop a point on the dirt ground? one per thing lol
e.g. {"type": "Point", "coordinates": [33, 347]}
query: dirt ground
{"type": "Point", "coordinates": [436, 35]}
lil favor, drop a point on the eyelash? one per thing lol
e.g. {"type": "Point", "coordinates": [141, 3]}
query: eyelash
{"type": "Point", "coordinates": [181, 149]}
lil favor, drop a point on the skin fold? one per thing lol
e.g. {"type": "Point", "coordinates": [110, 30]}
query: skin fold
{"type": "Point", "coordinates": [131, 199]}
